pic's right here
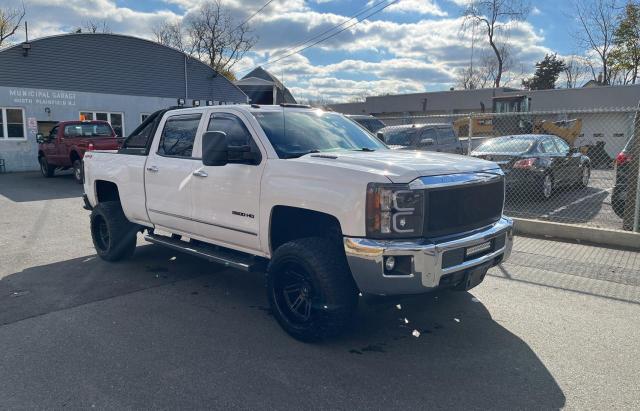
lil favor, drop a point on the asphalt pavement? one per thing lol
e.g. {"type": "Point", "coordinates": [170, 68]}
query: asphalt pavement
{"type": "Point", "coordinates": [557, 326]}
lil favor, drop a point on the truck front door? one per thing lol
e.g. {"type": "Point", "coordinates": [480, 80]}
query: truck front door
{"type": "Point", "coordinates": [226, 198]}
{"type": "Point", "coordinates": [50, 146]}
{"type": "Point", "coordinates": [169, 172]}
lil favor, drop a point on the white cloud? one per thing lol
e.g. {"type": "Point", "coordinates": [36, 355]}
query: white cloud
{"type": "Point", "coordinates": [413, 6]}
{"type": "Point", "coordinates": [383, 55]}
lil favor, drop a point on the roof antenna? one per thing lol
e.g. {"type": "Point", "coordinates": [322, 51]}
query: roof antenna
{"type": "Point", "coordinates": [26, 46]}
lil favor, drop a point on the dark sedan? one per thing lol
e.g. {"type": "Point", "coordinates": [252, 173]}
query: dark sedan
{"type": "Point", "coordinates": [541, 163]}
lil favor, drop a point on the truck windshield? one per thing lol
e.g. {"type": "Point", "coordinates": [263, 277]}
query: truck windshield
{"type": "Point", "coordinates": [296, 133]}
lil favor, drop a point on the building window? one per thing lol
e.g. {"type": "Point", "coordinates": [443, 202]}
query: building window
{"type": "Point", "coordinates": [12, 123]}
{"type": "Point", "coordinates": [143, 117]}
{"type": "Point", "coordinates": [618, 135]}
{"type": "Point", "coordinates": [115, 119]}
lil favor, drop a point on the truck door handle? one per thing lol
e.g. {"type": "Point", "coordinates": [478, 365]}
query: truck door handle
{"type": "Point", "coordinates": [200, 173]}
{"type": "Point", "coordinates": [153, 169]}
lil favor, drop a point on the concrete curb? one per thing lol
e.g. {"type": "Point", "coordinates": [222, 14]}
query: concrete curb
{"type": "Point", "coordinates": [597, 236]}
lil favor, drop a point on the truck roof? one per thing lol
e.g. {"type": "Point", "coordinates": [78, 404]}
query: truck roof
{"type": "Point", "coordinates": [252, 108]}
{"type": "Point", "coordinates": [67, 122]}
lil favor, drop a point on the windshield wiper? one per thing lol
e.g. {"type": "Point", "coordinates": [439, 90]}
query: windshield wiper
{"type": "Point", "coordinates": [299, 154]}
{"type": "Point", "coordinates": [364, 149]}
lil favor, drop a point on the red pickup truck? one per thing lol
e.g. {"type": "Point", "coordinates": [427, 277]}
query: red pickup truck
{"type": "Point", "coordinates": [67, 142]}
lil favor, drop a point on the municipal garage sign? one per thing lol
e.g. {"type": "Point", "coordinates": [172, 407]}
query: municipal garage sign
{"type": "Point", "coordinates": [42, 97]}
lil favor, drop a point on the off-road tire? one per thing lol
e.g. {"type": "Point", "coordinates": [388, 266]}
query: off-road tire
{"type": "Point", "coordinates": [45, 168]}
{"type": "Point", "coordinates": [334, 296]}
{"type": "Point", "coordinates": [114, 237]}
{"type": "Point", "coordinates": [77, 172]}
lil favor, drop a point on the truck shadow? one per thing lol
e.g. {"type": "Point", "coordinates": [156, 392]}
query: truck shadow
{"type": "Point", "coordinates": [566, 206]}
{"type": "Point", "coordinates": [207, 333]}
{"type": "Point", "coordinates": [32, 186]}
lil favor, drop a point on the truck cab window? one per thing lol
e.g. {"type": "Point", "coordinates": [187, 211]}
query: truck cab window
{"type": "Point", "coordinates": [446, 135]}
{"type": "Point", "coordinates": [232, 126]}
{"type": "Point", "coordinates": [140, 136]}
{"type": "Point", "coordinates": [236, 131]}
{"type": "Point", "coordinates": [178, 135]}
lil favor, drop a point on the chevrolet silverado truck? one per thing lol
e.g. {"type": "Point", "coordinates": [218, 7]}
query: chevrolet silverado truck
{"type": "Point", "coordinates": [66, 143]}
{"type": "Point", "coordinates": [308, 197]}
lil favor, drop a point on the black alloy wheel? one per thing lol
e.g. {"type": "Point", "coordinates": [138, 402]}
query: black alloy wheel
{"type": "Point", "coordinates": [294, 294]}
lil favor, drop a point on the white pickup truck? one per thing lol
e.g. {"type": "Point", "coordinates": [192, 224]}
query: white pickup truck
{"type": "Point", "coordinates": [310, 198]}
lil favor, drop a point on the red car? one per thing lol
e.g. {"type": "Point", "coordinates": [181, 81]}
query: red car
{"type": "Point", "coordinates": [67, 142]}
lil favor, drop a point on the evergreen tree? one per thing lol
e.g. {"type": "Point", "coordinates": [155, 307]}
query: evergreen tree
{"type": "Point", "coordinates": [547, 72]}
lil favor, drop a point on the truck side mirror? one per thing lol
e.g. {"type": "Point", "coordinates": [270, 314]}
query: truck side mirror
{"type": "Point", "coordinates": [215, 151]}
{"type": "Point", "coordinates": [40, 138]}
{"type": "Point", "coordinates": [426, 142]}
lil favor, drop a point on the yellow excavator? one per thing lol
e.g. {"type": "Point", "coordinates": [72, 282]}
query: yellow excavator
{"type": "Point", "coordinates": [520, 122]}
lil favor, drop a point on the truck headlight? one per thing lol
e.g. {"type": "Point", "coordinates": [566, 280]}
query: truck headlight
{"type": "Point", "coordinates": [394, 211]}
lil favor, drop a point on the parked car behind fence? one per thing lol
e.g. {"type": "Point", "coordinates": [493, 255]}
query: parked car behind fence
{"type": "Point", "coordinates": [536, 164]}
{"type": "Point", "coordinates": [369, 122]}
{"type": "Point", "coordinates": [426, 137]}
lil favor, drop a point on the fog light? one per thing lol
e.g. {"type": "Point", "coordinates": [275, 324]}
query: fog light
{"type": "Point", "coordinates": [389, 263]}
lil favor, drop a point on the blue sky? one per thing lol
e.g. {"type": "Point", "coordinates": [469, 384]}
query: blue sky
{"type": "Point", "coordinates": [412, 46]}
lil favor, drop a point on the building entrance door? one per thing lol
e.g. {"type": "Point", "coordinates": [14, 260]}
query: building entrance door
{"type": "Point", "coordinates": [44, 127]}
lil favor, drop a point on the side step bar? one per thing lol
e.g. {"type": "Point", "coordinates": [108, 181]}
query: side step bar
{"type": "Point", "coordinates": [214, 254]}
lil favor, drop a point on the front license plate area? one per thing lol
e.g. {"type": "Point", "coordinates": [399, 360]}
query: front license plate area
{"type": "Point", "coordinates": [475, 276]}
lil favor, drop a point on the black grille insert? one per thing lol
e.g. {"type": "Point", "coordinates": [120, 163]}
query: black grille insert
{"type": "Point", "coordinates": [456, 209]}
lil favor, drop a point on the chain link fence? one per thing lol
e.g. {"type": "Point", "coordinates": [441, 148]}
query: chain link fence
{"type": "Point", "coordinates": [577, 167]}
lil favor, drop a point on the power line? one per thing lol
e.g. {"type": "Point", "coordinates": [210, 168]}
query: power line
{"type": "Point", "coordinates": [362, 11]}
{"type": "Point", "coordinates": [255, 14]}
{"type": "Point", "coordinates": [332, 35]}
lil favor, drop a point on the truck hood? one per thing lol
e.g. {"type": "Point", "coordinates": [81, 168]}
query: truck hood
{"type": "Point", "coordinates": [401, 166]}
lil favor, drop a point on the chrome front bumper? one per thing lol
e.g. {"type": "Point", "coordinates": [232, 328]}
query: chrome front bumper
{"type": "Point", "coordinates": [366, 259]}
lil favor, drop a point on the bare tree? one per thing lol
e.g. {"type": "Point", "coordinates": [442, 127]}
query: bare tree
{"type": "Point", "coordinates": [494, 17]}
{"type": "Point", "coordinates": [171, 34]}
{"type": "Point", "coordinates": [10, 21]}
{"type": "Point", "coordinates": [216, 38]}
{"type": "Point", "coordinates": [96, 26]}
{"type": "Point", "coordinates": [93, 26]}
{"type": "Point", "coordinates": [596, 34]}
{"type": "Point", "coordinates": [470, 78]}
{"type": "Point", "coordinates": [574, 71]}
